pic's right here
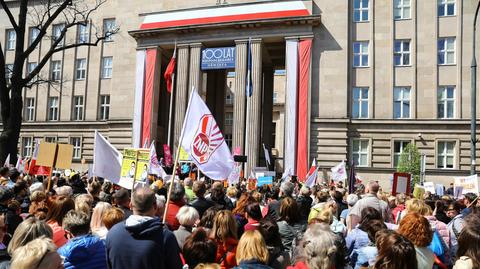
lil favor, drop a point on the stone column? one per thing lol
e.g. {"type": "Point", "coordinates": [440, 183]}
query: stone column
{"type": "Point", "coordinates": [195, 72]}
{"type": "Point", "coordinates": [253, 108]}
{"type": "Point", "coordinates": [238, 139]}
{"type": "Point", "coordinates": [180, 91]}
{"type": "Point", "coordinates": [267, 108]}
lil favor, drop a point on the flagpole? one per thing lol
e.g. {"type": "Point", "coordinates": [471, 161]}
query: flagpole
{"type": "Point", "coordinates": [177, 156]}
{"type": "Point", "coordinates": [170, 111]}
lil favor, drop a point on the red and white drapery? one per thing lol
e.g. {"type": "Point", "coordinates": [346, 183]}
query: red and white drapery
{"type": "Point", "coordinates": [298, 60]}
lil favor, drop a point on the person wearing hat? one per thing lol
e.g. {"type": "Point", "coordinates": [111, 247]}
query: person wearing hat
{"type": "Point", "coordinates": [122, 200]}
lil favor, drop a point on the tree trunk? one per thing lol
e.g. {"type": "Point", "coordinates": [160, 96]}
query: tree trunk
{"type": "Point", "coordinates": [11, 127]}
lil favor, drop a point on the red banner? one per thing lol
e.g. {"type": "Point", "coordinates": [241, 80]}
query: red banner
{"type": "Point", "coordinates": [167, 155]}
{"type": "Point", "coordinates": [148, 94]}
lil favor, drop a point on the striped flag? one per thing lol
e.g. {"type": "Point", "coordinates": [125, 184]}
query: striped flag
{"type": "Point", "coordinates": [312, 175]}
{"type": "Point", "coordinates": [249, 89]}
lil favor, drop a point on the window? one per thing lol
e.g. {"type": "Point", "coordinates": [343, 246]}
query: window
{"type": "Point", "coordinates": [401, 52]}
{"type": "Point", "coordinates": [360, 10]}
{"type": "Point", "coordinates": [29, 109]}
{"type": "Point", "coordinates": [31, 67]}
{"type": "Point", "coordinates": [445, 154]}
{"type": "Point", "coordinates": [446, 50]}
{"type": "Point", "coordinates": [32, 35]}
{"type": "Point", "coordinates": [11, 39]}
{"type": "Point", "coordinates": [360, 103]}
{"type": "Point", "coordinates": [398, 147]}
{"type": "Point", "coordinates": [81, 69]}
{"type": "Point", "coordinates": [27, 146]}
{"type": "Point", "coordinates": [77, 147]}
{"type": "Point", "coordinates": [83, 35]}
{"type": "Point", "coordinates": [274, 134]}
{"type": "Point", "coordinates": [56, 33]}
{"type": "Point", "coordinates": [53, 108]}
{"type": "Point", "coordinates": [77, 108]}
{"type": "Point", "coordinates": [275, 97]}
{"type": "Point", "coordinates": [446, 102]}
{"type": "Point", "coordinates": [446, 8]}
{"type": "Point", "coordinates": [401, 103]}
{"type": "Point", "coordinates": [50, 139]}
{"type": "Point", "coordinates": [401, 9]}
{"type": "Point", "coordinates": [228, 140]}
{"type": "Point", "coordinates": [229, 99]}
{"type": "Point", "coordinates": [56, 73]}
{"type": "Point", "coordinates": [107, 67]}
{"type": "Point", "coordinates": [228, 119]}
{"type": "Point", "coordinates": [109, 27]}
{"type": "Point", "coordinates": [8, 71]}
{"type": "Point", "coordinates": [360, 152]}
{"type": "Point", "coordinates": [360, 54]}
{"type": "Point", "coordinates": [104, 107]}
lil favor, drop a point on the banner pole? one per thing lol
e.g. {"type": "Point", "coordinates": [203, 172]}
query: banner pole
{"type": "Point", "coordinates": [177, 156]}
{"type": "Point", "coordinates": [50, 179]}
{"type": "Point", "coordinates": [170, 112]}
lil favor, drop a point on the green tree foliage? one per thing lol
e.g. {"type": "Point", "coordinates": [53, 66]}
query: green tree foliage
{"type": "Point", "coordinates": [409, 162]}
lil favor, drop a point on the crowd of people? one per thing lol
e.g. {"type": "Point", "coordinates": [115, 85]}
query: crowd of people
{"type": "Point", "coordinates": [82, 222]}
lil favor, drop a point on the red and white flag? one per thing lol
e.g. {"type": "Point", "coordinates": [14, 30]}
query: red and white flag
{"type": "Point", "coordinates": [204, 142]}
{"type": "Point", "coordinates": [169, 72]}
{"type": "Point", "coordinates": [339, 172]}
{"type": "Point", "coordinates": [312, 175]}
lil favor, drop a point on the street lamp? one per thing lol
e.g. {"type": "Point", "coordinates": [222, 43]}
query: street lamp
{"type": "Point", "coordinates": [473, 103]}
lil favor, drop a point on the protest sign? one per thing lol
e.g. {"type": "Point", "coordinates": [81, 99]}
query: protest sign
{"type": "Point", "coordinates": [129, 163]}
{"type": "Point", "coordinates": [264, 181]}
{"type": "Point", "coordinates": [439, 189]}
{"type": "Point", "coordinates": [430, 187]}
{"type": "Point", "coordinates": [418, 192]}
{"type": "Point", "coordinates": [64, 156]}
{"type": "Point", "coordinates": [469, 184]}
{"type": "Point", "coordinates": [183, 155]}
{"type": "Point", "coordinates": [457, 192]}
{"type": "Point", "coordinates": [143, 159]}
{"type": "Point", "coordinates": [46, 154]}
{"type": "Point", "coordinates": [401, 183]}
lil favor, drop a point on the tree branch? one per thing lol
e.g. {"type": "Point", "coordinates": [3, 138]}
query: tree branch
{"type": "Point", "coordinates": [9, 14]}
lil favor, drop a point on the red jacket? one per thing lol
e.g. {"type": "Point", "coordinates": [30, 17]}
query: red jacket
{"type": "Point", "coordinates": [396, 211]}
{"type": "Point", "coordinates": [226, 252]}
{"type": "Point", "coordinates": [171, 219]}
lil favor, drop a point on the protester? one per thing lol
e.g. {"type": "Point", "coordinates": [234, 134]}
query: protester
{"type": "Point", "coordinates": [239, 212]}
{"type": "Point", "coordinates": [143, 237]}
{"type": "Point", "coordinates": [305, 202]}
{"type": "Point", "coordinates": [370, 200]}
{"type": "Point", "coordinates": [395, 251]}
{"type": "Point", "coordinates": [417, 229]}
{"type": "Point", "coordinates": [200, 204]}
{"type": "Point", "coordinates": [252, 251]}
{"type": "Point", "coordinates": [206, 222]}
{"type": "Point", "coordinates": [38, 206]}
{"type": "Point", "coordinates": [4, 256]}
{"type": "Point", "coordinates": [199, 248]}
{"type": "Point", "coordinates": [290, 224]}
{"type": "Point", "coordinates": [468, 253]}
{"type": "Point", "coordinates": [83, 250]}
{"type": "Point", "coordinates": [177, 200]}
{"type": "Point", "coordinates": [112, 216]}
{"type": "Point", "coordinates": [286, 190]}
{"type": "Point", "coordinates": [39, 253]}
{"type": "Point", "coordinates": [365, 256]}
{"type": "Point", "coordinates": [122, 200]}
{"type": "Point", "coordinates": [190, 195]}
{"type": "Point", "coordinates": [84, 202]}
{"type": "Point", "coordinates": [253, 214]}
{"type": "Point", "coordinates": [224, 233]}
{"type": "Point", "coordinates": [219, 198]}
{"type": "Point", "coordinates": [96, 224]}
{"type": "Point", "coordinates": [58, 208]}
{"type": "Point", "coordinates": [455, 226]}
{"type": "Point", "coordinates": [352, 199]}
{"type": "Point", "coordinates": [399, 208]}
{"type": "Point", "coordinates": [278, 258]}
{"type": "Point", "coordinates": [187, 216]}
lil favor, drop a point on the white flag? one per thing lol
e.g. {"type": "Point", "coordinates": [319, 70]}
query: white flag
{"type": "Point", "coordinates": [338, 172]}
{"type": "Point", "coordinates": [312, 175]}
{"type": "Point", "coordinates": [154, 166]}
{"type": "Point", "coordinates": [7, 161]}
{"type": "Point", "coordinates": [267, 155]}
{"type": "Point", "coordinates": [19, 163]}
{"type": "Point", "coordinates": [107, 161]}
{"type": "Point", "coordinates": [204, 142]}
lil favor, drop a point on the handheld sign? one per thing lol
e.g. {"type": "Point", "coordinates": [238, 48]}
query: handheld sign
{"type": "Point", "coordinates": [401, 183]}
{"type": "Point", "coordinates": [418, 192]}
{"type": "Point", "coordinates": [264, 181]}
{"type": "Point", "coordinates": [46, 154]}
{"type": "Point", "coordinates": [469, 184]}
{"type": "Point", "coordinates": [430, 187]}
{"type": "Point", "coordinates": [64, 156]}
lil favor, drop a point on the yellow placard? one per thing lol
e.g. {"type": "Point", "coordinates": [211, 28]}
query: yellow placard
{"type": "Point", "coordinates": [129, 163]}
{"type": "Point", "coordinates": [183, 155]}
{"type": "Point", "coordinates": [64, 156]}
{"type": "Point", "coordinates": [46, 154]}
{"type": "Point", "coordinates": [143, 160]}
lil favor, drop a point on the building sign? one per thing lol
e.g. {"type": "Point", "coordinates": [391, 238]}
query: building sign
{"type": "Point", "coordinates": [218, 58]}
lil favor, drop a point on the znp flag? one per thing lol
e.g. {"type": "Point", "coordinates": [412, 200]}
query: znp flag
{"type": "Point", "coordinates": [339, 172]}
{"type": "Point", "coordinates": [204, 142]}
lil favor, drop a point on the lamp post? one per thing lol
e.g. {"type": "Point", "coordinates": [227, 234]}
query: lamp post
{"type": "Point", "coordinates": [473, 108]}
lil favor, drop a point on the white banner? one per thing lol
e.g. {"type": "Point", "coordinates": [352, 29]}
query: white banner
{"type": "Point", "coordinates": [312, 175]}
{"type": "Point", "coordinates": [154, 166]}
{"type": "Point", "coordinates": [138, 105]}
{"type": "Point", "coordinates": [430, 187]}
{"type": "Point", "coordinates": [204, 142]}
{"type": "Point", "coordinates": [469, 184]}
{"type": "Point", "coordinates": [107, 161]}
{"type": "Point", "coordinates": [339, 172]}
{"type": "Point", "coordinates": [291, 106]}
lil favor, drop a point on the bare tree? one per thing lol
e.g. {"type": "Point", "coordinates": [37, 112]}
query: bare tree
{"type": "Point", "coordinates": [39, 16]}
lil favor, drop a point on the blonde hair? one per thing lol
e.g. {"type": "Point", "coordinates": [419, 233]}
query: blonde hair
{"type": "Point", "coordinates": [28, 230]}
{"type": "Point", "coordinates": [97, 215]}
{"type": "Point", "coordinates": [317, 248]}
{"type": "Point", "coordinates": [207, 266]}
{"type": "Point", "coordinates": [418, 206]}
{"type": "Point", "coordinates": [84, 203]}
{"type": "Point", "coordinates": [33, 254]}
{"type": "Point", "coordinates": [231, 192]}
{"type": "Point", "coordinates": [252, 246]}
{"type": "Point", "coordinates": [224, 226]}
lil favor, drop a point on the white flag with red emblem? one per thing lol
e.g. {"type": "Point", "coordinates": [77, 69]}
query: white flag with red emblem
{"type": "Point", "coordinates": [338, 172]}
{"type": "Point", "coordinates": [312, 175]}
{"type": "Point", "coordinates": [204, 142]}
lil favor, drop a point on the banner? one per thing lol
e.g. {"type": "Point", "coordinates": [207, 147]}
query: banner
{"type": "Point", "coordinates": [468, 183]}
{"type": "Point", "coordinates": [167, 155]}
{"type": "Point", "coordinates": [129, 163]}
{"type": "Point", "coordinates": [339, 173]}
{"type": "Point", "coordinates": [107, 161]}
{"type": "Point", "coordinates": [143, 159]}
{"type": "Point", "coordinates": [291, 106]}
{"type": "Point", "coordinates": [138, 103]}
{"type": "Point", "coordinates": [151, 62]}
{"type": "Point", "coordinates": [155, 167]}
{"type": "Point", "coordinates": [264, 181]}
{"type": "Point", "coordinates": [204, 142]}
{"type": "Point", "coordinates": [430, 187]}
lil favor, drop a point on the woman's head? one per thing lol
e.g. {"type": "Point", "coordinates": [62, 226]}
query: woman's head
{"type": "Point", "coordinates": [39, 254]}
{"type": "Point", "coordinates": [369, 214]}
{"type": "Point", "coordinates": [112, 216]}
{"type": "Point", "coordinates": [469, 240]}
{"type": "Point", "coordinates": [252, 247]}
{"type": "Point", "coordinates": [187, 216]}
{"type": "Point", "coordinates": [198, 248]}
{"type": "Point", "coordinates": [418, 206]}
{"type": "Point", "coordinates": [28, 230]}
{"type": "Point", "coordinates": [417, 229]}
{"type": "Point", "coordinates": [58, 208]}
{"type": "Point", "coordinates": [253, 211]}
{"type": "Point", "coordinates": [84, 203]}
{"type": "Point", "coordinates": [224, 226]}
{"type": "Point", "coordinates": [317, 247]}
{"type": "Point", "coordinates": [373, 227]}
{"type": "Point", "coordinates": [97, 215]}
{"type": "Point", "coordinates": [394, 251]}
{"type": "Point", "coordinates": [270, 232]}
{"type": "Point", "coordinates": [454, 209]}
{"type": "Point", "coordinates": [242, 203]}
{"type": "Point", "coordinates": [208, 217]}
{"type": "Point", "coordinates": [289, 210]}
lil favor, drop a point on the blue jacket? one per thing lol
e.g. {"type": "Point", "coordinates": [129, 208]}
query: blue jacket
{"type": "Point", "coordinates": [252, 264]}
{"type": "Point", "coordinates": [85, 251]}
{"type": "Point", "coordinates": [143, 245]}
